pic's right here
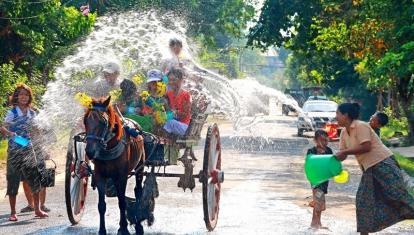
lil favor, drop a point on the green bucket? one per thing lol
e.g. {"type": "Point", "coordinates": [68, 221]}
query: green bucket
{"type": "Point", "coordinates": [321, 167]}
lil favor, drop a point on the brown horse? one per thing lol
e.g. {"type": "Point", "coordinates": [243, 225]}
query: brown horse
{"type": "Point", "coordinates": [114, 154]}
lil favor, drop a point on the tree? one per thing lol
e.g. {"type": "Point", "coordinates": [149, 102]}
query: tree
{"type": "Point", "coordinates": [33, 36]}
{"type": "Point", "coordinates": [376, 36]}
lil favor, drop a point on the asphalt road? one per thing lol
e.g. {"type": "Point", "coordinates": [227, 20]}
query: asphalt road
{"type": "Point", "coordinates": [264, 192]}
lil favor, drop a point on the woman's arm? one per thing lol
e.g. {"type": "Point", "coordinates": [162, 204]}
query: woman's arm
{"type": "Point", "coordinates": [361, 149]}
{"type": "Point", "coordinates": [6, 132]}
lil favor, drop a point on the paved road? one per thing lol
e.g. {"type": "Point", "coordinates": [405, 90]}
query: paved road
{"type": "Point", "coordinates": [264, 193]}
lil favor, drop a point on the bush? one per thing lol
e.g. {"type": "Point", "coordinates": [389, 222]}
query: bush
{"type": "Point", "coordinates": [407, 164]}
{"type": "Point", "coordinates": [3, 150]}
{"type": "Point", "coordinates": [396, 127]}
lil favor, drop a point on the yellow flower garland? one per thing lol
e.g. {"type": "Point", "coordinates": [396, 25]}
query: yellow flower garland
{"type": "Point", "coordinates": [84, 99]}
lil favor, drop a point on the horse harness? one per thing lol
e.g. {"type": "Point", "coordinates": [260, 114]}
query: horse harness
{"type": "Point", "coordinates": [105, 154]}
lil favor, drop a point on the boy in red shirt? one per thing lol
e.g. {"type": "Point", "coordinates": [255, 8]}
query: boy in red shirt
{"type": "Point", "coordinates": [179, 102]}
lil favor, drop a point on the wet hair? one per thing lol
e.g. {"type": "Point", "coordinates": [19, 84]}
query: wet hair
{"type": "Point", "coordinates": [382, 118]}
{"type": "Point", "coordinates": [177, 73]}
{"type": "Point", "coordinates": [175, 42]}
{"type": "Point", "coordinates": [128, 88]}
{"type": "Point", "coordinates": [351, 109]}
{"type": "Point", "coordinates": [320, 133]}
{"type": "Point", "coordinates": [14, 98]}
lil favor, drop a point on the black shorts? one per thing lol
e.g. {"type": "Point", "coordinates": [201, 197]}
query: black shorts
{"type": "Point", "coordinates": [323, 187]}
{"type": "Point", "coordinates": [21, 165]}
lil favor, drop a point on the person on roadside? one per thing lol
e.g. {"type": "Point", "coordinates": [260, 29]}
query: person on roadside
{"type": "Point", "coordinates": [42, 155]}
{"type": "Point", "coordinates": [377, 121]}
{"type": "Point", "coordinates": [21, 161]}
{"type": "Point", "coordinates": [382, 198]}
{"type": "Point", "coordinates": [319, 191]}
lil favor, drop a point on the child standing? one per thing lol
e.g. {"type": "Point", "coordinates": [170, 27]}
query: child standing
{"type": "Point", "coordinates": [20, 160]}
{"type": "Point", "coordinates": [378, 120]}
{"type": "Point", "coordinates": [319, 191]}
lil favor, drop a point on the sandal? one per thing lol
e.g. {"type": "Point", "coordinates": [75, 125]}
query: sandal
{"type": "Point", "coordinates": [13, 218]}
{"type": "Point", "coordinates": [45, 209]}
{"type": "Point", "coordinates": [28, 208]}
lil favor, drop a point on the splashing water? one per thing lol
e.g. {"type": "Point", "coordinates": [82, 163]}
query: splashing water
{"type": "Point", "coordinates": [138, 41]}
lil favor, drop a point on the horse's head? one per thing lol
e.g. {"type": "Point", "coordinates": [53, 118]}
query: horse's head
{"type": "Point", "coordinates": [100, 122]}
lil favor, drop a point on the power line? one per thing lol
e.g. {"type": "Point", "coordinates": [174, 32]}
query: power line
{"type": "Point", "coordinates": [37, 2]}
{"type": "Point", "coordinates": [28, 17]}
{"type": "Point", "coordinates": [19, 18]}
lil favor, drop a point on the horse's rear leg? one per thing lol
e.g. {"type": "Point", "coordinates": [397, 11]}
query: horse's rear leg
{"type": "Point", "coordinates": [121, 188]}
{"type": "Point", "coordinates": [101, 206]}
{"type": "Point", "coordinates": [139, 230]}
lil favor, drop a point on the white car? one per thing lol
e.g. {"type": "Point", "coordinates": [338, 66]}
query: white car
{"type": "Point", "coordinates": [316, 114]}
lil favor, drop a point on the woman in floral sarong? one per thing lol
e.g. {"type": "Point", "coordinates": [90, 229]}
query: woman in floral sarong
{"type": "Point", "coordinates": [382, 198]}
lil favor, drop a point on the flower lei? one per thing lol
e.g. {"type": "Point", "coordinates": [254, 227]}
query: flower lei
{"type": "Point", "coordinates": [160, 116]}
{"type": "Point", "coordinates": [84, 99]}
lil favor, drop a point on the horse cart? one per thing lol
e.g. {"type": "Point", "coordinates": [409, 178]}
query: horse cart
{"type": "Point", "coordinates": [160, 153]}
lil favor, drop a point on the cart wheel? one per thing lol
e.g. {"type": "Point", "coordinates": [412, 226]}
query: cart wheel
{"type": "Point", "coordinates": [212, 177]}
{"type": "Point", "coordinates": [76, 182]}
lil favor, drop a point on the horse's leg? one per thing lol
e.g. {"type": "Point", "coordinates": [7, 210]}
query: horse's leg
{"type": "Point", "coordinates": [138, 197]}
{"type": "Point", "coordinates": [121, 183]}
{"type": "Point", "coordinates": [100, 184]}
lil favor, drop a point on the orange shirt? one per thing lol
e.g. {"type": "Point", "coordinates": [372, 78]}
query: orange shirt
{"type": "Point", "coordinates": [361, 132]}
{"type": "Point", "coordinates": [179, 103]}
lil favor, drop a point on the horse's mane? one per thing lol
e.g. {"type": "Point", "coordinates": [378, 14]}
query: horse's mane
{"type": "Point", "coordinates": [113, 117]}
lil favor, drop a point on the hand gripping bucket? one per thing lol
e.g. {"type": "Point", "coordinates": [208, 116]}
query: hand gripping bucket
{"type": "Point", "coordinates": [48, 174]}
{"type": "Point", "coordinates": [320, 168]}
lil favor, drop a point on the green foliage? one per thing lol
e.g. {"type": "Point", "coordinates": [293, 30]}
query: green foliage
{"type": "Point", "coordinates": [407, 164]}
{"type": "Point", "coordinates": [376, 37]}
{"type": "Point", "coordinates": [3, 150]}
{"type": "Point", "coordinates": [8, 80]}
{"type": "Point", "coordinates": [33, 38]}
{"type": "Point", "coordinates": [395, 125]}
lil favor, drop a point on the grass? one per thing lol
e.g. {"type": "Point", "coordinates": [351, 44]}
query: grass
{"type": "Point", "coordinates": [3, 150]}
{"type": "Point", "coordinates": [407, 164]}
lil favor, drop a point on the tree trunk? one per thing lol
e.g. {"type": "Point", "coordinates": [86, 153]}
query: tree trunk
{"type": "Point", "coordinates": [406, 95]}
{"type": "Point", "coordinates": [394, 102]}
{"type": "Point", "coordinates": [380, 104]}
{"type": "Point", "coordinates": [406, 105]}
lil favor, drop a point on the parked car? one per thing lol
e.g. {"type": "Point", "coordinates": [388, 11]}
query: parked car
{"type": "Point", "coordinates": [319, 114]}
{"type": "Point", "coordinates": [317, 97]}
{"type": "Point", "coordinates": [289, 105]}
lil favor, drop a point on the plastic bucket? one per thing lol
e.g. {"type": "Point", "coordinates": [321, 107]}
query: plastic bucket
{"type": "Point", "coordinates": [48, 174]}
{"type": "Point", "coordinates": [320, 168]}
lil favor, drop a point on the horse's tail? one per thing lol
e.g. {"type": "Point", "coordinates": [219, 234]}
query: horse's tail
{"type": "Point", "coordinates": [136, 152]}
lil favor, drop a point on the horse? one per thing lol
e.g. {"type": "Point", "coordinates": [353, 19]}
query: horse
{"type": "Point", "coordinates": [114, 154]}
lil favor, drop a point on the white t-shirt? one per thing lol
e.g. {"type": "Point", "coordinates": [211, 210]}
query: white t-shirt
{"type": "Point", "coordinates": [100, 87]}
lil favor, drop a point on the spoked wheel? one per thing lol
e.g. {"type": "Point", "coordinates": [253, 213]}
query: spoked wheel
{"type": "Point", "coordinates": [76, 181]}
{"type": "Point", "coordinates": [212, 177]}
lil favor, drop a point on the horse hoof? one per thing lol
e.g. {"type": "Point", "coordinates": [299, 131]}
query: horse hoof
{"type": "Point", "coordinates": [151, 219]}
{"type": "Point", "coordinates": [139, 230]}
{"type": "Point", "coordinates": [123, 231]}
{"type": "Point", "coordinates": [102, 232]}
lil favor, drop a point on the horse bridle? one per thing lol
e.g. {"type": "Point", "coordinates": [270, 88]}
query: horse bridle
{"type": "Point", "coordinates": [102, 140]}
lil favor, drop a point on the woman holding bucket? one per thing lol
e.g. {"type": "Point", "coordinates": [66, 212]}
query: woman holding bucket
{"type": "Point", "coordinates": [382, 198]}
{"type": "Point", "coordinates": [20, 158]}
